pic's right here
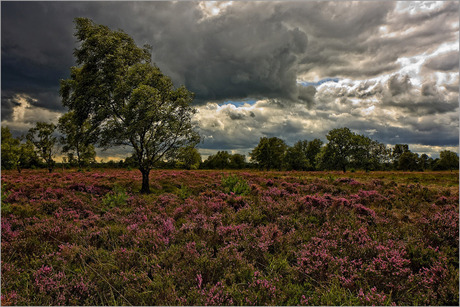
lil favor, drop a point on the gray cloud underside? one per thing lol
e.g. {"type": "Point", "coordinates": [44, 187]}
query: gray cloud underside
{"type": "Point", "coordinates": [448, 61]}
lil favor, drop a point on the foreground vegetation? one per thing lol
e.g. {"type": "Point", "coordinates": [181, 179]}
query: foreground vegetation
{"type": "Point", "coordinates": [229, 238]}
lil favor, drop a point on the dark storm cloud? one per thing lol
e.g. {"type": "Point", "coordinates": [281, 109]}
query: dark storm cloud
{"type": "Point", "coordinates": [241, 53]}
{"type": "Point", "coordinates": [250, 50]}
{"type": "Point", "coordinates": [428, 100]}
{"type": "Point", "coordinates": [351, 42]}
{"type": "Point", "coordinates": [8, 103]}
{"type": "Point", "coordinates": [37, 45]}
{"type": "Point", "coordinates": [246, 52]}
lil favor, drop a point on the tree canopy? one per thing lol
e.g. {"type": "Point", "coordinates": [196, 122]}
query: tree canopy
{"type": "Point", "coordinates": [269, 153]}
{"type": "Point", "coordinates": [125, 98]}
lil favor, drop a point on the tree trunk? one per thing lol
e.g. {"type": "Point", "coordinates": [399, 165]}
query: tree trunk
{"type": "Point", "coordinates": [145, 181]}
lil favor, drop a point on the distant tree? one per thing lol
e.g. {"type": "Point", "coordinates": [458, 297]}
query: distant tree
{"type": "Point", "coordinates": [27, 156]}
{"type": "Point", "coordinates": [16, 152]}
{"type": "Point", "coordinates": [296, 157]}
{"type": "Point", "coordinates": [448, 160]}
{"type": "Point", "coordinates": [10, 150]}
{"type": "Point", "coordinates": [368, 154]}
{"type": "Point", "coordinates": [221, 160]}
{"type": "Point", "coordinates": [269, 153]}
{"type": "Point", "coordinates": [337, 154]}
{"type": "Point", "coordinates": [70, 159]}
{"type": "Point", "coordinates": [131, 162]}
{"type": "Point", "coordinates": [312, 151]}
{"type": "Point", "coordinates": [126, 99]}
{"type": "Point", "coordinates": [424, 161]}
{"type": "Point", "coordinates": [408, 161]}
{"type": "Point", "coordinates": [188, 157]}
{"type": "Point", "coordinates": [41, 136]}
{"type": "Point", "coordinates": [434, 164]}
{"type": "Point", "coordinates": [237, 161]}
{"type": "Point", "coordinates": [76, 140]}
{"type": "Point", "coordinates": [396, 153]}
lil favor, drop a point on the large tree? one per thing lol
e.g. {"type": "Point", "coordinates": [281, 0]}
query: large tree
{"type": "Point", "coordinates": [125, 98]}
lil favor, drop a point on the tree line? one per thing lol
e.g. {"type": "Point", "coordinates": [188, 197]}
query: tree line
{"type": "Point", "coordinates": [344, 151]}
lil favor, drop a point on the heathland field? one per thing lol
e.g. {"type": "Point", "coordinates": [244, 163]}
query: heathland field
{"type": "Point", "coordinates": [229, 238]}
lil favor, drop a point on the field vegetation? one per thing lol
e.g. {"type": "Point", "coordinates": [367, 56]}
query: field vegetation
{"type": "Point", "coordinates": [229, 238]}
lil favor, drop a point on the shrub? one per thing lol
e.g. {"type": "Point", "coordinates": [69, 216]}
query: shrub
{"type": "Point", "coordinates": [235, 184]}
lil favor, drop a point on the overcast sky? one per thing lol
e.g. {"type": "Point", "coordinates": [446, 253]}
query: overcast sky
{"type": "Point", "coordinates": [294, 70]}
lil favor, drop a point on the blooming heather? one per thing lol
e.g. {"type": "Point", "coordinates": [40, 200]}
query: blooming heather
{"type": "Point", "coordinates": [229, 238]}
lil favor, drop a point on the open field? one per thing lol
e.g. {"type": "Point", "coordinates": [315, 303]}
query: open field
{"type": "Point", "coordinates": [230, 238]}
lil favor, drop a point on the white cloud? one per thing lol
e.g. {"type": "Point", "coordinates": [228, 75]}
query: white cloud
{"type": "Point", "coordinates": [25, 114]}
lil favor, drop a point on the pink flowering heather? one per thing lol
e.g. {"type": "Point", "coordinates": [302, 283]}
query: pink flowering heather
{"type": "Point", "coordinates": [288, 238]}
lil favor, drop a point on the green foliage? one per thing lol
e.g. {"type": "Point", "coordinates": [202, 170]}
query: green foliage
{"type": "Point", "coordinates": [116, 198]}
{"type": "Point", "coordinates": [235, 184]}
{"type": "Point", "coordinates": [224, 160]}
{"type": "Point", "coordinates": [269, 153]}
{"type": "Point", "coordinates": [296, 157]}
{"type": "Point", "coordinates": [184, 192]}
{"type": "Point", "coordinates": [76, 140]}
{"type": "Point", "coordinates": [188, 157]}
{"type": "Point", "coordinates": [15, 153]}
{"type": "Point", "coordinates": [448, 160]}
{"type": "Point", "coordinates": [44, 141]}
{"type": "Point", "coordinates": [237, 161]}
{"type": "Point", "coordinates": [408, 161]}
{"type": "Point", "coordinates": [312, 150]}
{"type": "Point", "coordinates": [221, 160]}
{"type": "Point", "coordinates": [339, 149]}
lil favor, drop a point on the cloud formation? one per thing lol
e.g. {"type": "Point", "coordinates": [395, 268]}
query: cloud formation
{"type": "Point", "coordinates": [389, 69]}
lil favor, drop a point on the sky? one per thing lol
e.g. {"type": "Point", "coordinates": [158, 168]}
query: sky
{"type": "Point", "coordinates": [294, 70]}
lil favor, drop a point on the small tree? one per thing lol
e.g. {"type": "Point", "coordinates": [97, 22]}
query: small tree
{"type": "Point", "coordinates": [10, 149]}
{"type": "Point", "coordinates": [188, 157]}
{"type": "Point", "coordinates": [126, 99]}
{"type": "Point", "coordinates": [221, 160]}
{"type": "Point", "coordinates": [76, 140]}
{"type": "Point", "coordinates": [42, 138]}
{"type": "Point", "coordinates": [368, 154]}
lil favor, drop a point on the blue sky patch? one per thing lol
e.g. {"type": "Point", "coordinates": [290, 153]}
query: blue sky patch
{"type": "Point", "coordinates": [306, 83]}
{"type": "Point", "coordinates": [239, 103]}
